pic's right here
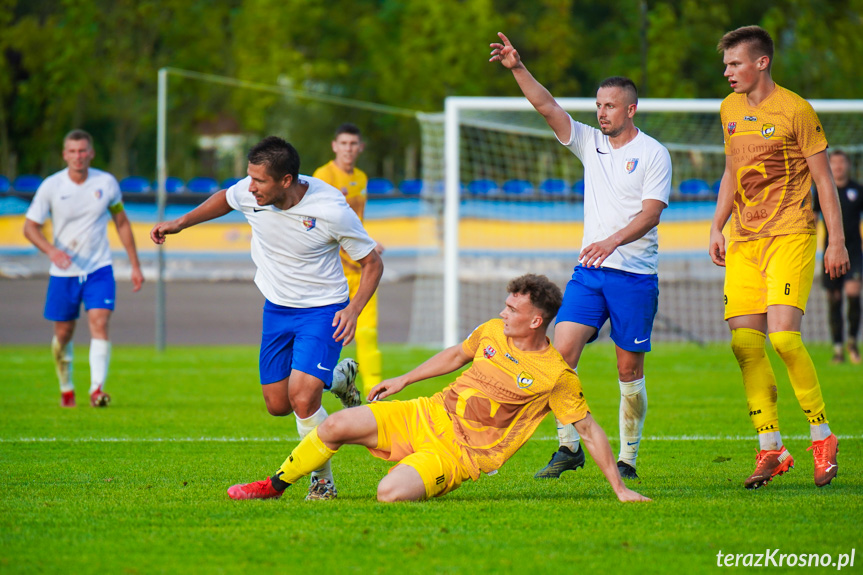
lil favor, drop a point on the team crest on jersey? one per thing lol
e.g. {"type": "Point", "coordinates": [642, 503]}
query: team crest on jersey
{"type": "Point", "coordinates": [851, 193]}
{"type": "Point", "coordinates": [767, 130]}
{"type": "Point", "coordinates": [511, 358]}
{"type": "Point", "coordinates": [524, 380]}
{"type": "Point", "coordinates": [489, 352]}
{"type": "Point", "coordinates": [731, 127]}
{"type": "Point", "coordinates": [309, 223]}
{"type": "Point", "coordinates": [98, 194]}
{"type": "Point", "coordinates": [631, 164]}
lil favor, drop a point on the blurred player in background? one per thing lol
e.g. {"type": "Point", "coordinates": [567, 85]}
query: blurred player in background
{"type": "Point", "coordinates": [627, 182]}
{"type": "Point", "coordinates": [851, 203]}
{"type": "Point", "coordinates": [475, 424]}
{"type": "Point", "coordinates": [342, 173]}
{"type": "Point", "coordinates": [80, 200]}
{"type": "Point", "coordinates": [775, 146]}
{"type": "Point", "coordinates": [298, 224]}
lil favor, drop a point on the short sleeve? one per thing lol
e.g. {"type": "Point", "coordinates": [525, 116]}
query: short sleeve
{"type": "Point", "coordinates": [809, 131]}
{"type": "Point", "coordinates": [350, 233]}
{"type": "Point", "coordinates": [579, 135]}
{"type": "Point", "coordinates": [567, 399]}
{"type": "Point", "coordinates": [231, 195]}
{"type": "Point", "coordinates": [657, 179]}
{"type": "Point", "coordinates": [471, 344]}
{"type": "Point", "coordinates": [40, 206]}
{"type": "Point", "coordinates": [116, 194]}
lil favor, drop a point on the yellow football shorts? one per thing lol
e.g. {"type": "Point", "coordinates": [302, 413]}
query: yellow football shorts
{"type": "Point", "coordinates": [419, 433]}
{"type": "Point", "coordinates": [770, 271]}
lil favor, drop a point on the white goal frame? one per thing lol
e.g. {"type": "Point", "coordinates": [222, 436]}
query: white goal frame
{"type": "Point", "coordinates": [453, 107]}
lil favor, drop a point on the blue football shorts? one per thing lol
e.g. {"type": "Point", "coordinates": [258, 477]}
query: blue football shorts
{"type": "Point", "coordinates": [65, 294]}
{"type": "Point", "coordinates": [301, 339]}
{"type": "Point", "coordinates": [630, 300]}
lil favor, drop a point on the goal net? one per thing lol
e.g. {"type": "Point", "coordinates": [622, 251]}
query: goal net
{"type": "Point", "coordinates": [508, 200]}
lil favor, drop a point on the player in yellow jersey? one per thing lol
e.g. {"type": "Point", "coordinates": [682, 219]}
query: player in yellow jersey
{"type": "Point", "coordinates": [342, 173]}
{"type": "Point", "coordinates": [472, 426]}
{"type": "Point", "coordinates": [775, 147]}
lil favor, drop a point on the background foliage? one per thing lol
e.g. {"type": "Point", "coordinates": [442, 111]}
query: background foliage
{"type": "Point", "coordinates": [93, 64]}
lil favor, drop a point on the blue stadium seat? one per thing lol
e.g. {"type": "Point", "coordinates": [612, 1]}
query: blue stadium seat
{"type": "Point", "coordinates": [26, 183]}
{"type": "Point", "coordinates": [380, 187]}
{"type": "Point", "coordinates": [173, 185]}
{"type": "Point", "coordinates": [135, 185]}
{"type": "Point", "coordinates": [228, 182]}
{"type": "Point", "coordinates": [518, 188]}
{"type": "Point", "coordinates": [694, 188]}
{"type": "Point", "coordinates": [4, 184]}
{"type": "Point", "coordinates": [411, 187]}
{"type": "Point", "coordinates": [201, 185]}
{"type": "Point", "coordinates": [554, 187]}
{"type": "Point", "coordinates": [578, 188]}
{"type": "Point", "coordinates": [715, 187]}
{"type": "Point", "coordinates": [483, 187]}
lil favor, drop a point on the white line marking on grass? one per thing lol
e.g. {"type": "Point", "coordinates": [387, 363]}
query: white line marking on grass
{"type": "Point", "coordinates": [291, 439]}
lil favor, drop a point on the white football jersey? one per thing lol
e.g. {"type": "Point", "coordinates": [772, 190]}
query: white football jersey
{"type": "Point", "coordinates": [615, 184]}
{"type": "Point", "coordinates": [296, 250]}
{"type": "Point", "coordinates": [79, 218]}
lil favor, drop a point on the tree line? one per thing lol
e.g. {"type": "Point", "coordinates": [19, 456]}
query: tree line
{"type": "Point", "coordinates": [93, 64]}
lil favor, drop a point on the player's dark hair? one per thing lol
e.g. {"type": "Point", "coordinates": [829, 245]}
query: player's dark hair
{"type": "Point", "coordinates": [277, 156]}
{"type": "Point", "coordinates": [839, 153]}
{"type": "Point", "coordinates": [348, 128]}
{"type": "Point", "coordinates": [756, 38]}
{"type": "Point", "coordinates": [544, 294]}
{"type": "Point", "coordinates": [621, 82]}
{"type": "Point", "coordinates": [79, 135]}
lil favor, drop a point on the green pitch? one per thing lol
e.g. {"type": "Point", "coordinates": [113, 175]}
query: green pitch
{"type": "Point", "coordinates": [140, 487]}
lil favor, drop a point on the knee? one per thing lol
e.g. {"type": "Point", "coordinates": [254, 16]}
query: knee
{"type": "Point", "coordinates": [389, 492]}
{"type": "Point", "coordinates": [334, 428]}
{"type": "Point", "coordinates": [746, 343]}
{"type": "Point", "coordinates": [786, 342]}
{"type": "Point", "coordinates": [276, 407]}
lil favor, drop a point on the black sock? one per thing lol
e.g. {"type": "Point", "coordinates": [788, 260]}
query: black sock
{"type": "Point", "coordinates": [835, 318]}
{"type": "Point", "coordinates": [853, 317]}
{"type": "Point", "coordinates": [277, 482]}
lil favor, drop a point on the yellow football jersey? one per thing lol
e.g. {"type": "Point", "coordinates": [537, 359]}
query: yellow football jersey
{"type": "Point", "coordinates": [768, 145]}
{"type": "Point", "coordinates": [497, 403]}
{"type": "Point", "coordinates": [353, 186]}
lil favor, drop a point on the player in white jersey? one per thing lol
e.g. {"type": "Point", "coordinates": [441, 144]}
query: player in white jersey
{"type": "Point", "coordinates": [298, 224]}
{"type": "Point", "coordinates": [80, 200]}
{"type": "Point", "coordinates": [627, 183]}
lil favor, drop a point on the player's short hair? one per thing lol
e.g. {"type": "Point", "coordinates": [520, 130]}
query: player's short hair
{"type": "Point", "coordinates": [621, 82]}
{"type": "Point", "coordinates": [544, 294]}
{"type": "Point", "coordinates": [348, 128]}
{"type": "Point", "coordinates": [78, 135]}
{"type": "Point", "coordinates": [840, 153]}
{"type": "Point", "coordinates": [756, 38]}
{"type": "Point", "coordinates": [278, 156]}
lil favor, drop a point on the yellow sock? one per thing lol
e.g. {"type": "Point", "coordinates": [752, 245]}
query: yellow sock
{"type": "Point", "coordinates": [368, 356]}
{"type": "Point", "coordinates": [801, 372]}
{"type": "Point", "coordinates": [310, 454]}
{"type": "Point", "coordinates": [758, 379]}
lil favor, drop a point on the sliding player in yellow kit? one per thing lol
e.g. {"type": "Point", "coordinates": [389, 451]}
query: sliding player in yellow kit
{"type": "Point", "coordinates": [342, 173]}
{"type": "Point", "coordinates": [474, 425]}
{"type": "Point", "coordinates": [775, 148]}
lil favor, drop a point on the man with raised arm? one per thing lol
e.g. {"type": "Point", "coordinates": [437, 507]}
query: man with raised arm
{"type": "Point", "coordinates": [627, 182]}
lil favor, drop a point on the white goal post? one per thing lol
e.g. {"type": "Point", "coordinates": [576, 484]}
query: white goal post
{"type": "Point", "coordinates": [496, 113]}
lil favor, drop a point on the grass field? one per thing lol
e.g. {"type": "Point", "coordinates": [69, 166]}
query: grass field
{"type": "Point", "coordinates": [140, 487]}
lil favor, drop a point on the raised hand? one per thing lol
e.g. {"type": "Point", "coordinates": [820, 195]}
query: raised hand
{"type": "Point", "coordinates": [504, 53]}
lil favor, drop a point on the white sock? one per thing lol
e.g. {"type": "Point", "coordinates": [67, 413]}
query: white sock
{"type": "Point", "coordinates": [633, 410]}
{"type": "Point", "coordinates": [63, 364]}
{"type": "Point", "coordinates": [100, 357]}
{"type": "Point", "coordinates": [819, 432]}
{"type": "Point", "coordinates": [305, 427]}
{"type": "Point", "coordinates": [770, 441]}
{"type": "Point", "coordinates": [567, 436]}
